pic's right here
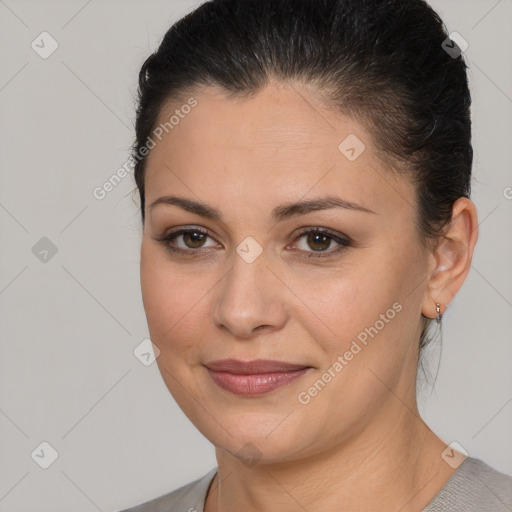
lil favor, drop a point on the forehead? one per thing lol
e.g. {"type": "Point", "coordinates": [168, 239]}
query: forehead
{"type": "Point", "coordinates": [283, 141]}
{"type": "Point", "coordinates": [277, 117]}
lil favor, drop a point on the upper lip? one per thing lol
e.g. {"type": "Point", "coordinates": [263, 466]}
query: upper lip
{"type": "Point", "coordinates": [253, 367]}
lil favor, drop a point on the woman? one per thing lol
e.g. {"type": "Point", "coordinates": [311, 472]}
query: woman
{"type": "Point", "coordinates": [304, 173]}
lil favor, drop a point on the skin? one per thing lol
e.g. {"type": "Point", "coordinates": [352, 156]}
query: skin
{"type": "Point", "coordinates": [360, 441]}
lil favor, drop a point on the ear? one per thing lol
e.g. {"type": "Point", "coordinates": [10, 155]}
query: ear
{"type": "Point", "coordinates": [451, 257]}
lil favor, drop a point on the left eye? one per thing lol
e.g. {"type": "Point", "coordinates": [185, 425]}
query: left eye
{"type": "Point", "coordinates": [320, 241]}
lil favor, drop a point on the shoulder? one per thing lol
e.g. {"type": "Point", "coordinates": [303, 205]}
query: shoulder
{"type": "Point", "coordinates": [475, 486]}
{"type": "Point", "coordinates": [188, 498]}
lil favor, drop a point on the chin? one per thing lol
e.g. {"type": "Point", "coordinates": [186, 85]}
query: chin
{"type": "Point", "coordinates": [262, 438]}
{"type": "Point", "coordinates": [259, 451]}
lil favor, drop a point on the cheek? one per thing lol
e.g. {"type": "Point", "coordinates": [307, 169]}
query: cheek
{"type": "Point", "coordinates": [362, 313]}
{"type": "Point", "coordinates": [174, 304]}
{"type": "Point", "coordinates": [173, 301]}
{"type": "Point", "coordinates": [376, 316]}
{"type": "Point", "coordinates": [363, 335]}
{"type": "Point", "coordinates": [343, 302]}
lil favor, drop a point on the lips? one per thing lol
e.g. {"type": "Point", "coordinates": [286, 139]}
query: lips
{"type": "Point", "coordinates": [253, 367]}
{"type": "Point", "coordinates": [256, 377]}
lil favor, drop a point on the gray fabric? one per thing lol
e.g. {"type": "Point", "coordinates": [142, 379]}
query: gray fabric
{"type": "Point", "coordinates": [474, 487]}
{"type": "Point", "coordinates": [189, 498]}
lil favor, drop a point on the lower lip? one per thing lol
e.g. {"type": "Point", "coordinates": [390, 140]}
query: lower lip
{"type": "Point", "coordinates": [254, 384]}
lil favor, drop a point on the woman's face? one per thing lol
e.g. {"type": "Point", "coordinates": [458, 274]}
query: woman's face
{"type": "Point", "coordinates": [345, 303]}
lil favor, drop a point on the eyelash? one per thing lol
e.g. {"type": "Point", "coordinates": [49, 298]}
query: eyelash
{"type": "Point", "coordinates": [168, 238]}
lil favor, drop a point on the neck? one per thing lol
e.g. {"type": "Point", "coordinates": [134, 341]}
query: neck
{"type": "Point", "coordinates": [393, 464]}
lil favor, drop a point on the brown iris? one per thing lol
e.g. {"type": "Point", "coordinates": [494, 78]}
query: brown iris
{"type": "Point", "coordinates": [321, 242]}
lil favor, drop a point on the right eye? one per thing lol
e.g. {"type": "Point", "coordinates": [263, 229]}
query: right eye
{"type": "Point", "coordinates": [185, 240]}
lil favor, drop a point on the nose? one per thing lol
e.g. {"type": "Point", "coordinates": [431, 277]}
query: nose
{"type": "Point", "coordinates": [250, 299]}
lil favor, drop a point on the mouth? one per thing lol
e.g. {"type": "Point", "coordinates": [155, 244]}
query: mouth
{"type": "Point", "coordinates": [253, 378]}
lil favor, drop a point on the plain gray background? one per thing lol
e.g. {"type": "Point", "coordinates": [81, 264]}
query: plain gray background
{"type": "Point", "coordinates": [69, 325]}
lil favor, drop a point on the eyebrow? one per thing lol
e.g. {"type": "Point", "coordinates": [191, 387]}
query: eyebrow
{"type": "Point", "coordinates": [279, 213]}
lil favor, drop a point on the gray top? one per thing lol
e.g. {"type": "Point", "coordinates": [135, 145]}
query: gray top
{"type": "Point", "coordinates": [474, 487]}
